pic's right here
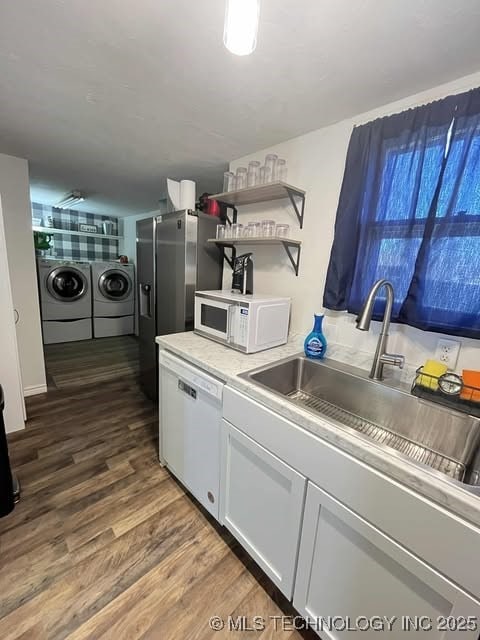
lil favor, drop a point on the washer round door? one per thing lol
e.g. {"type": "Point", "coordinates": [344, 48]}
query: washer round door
{"type": "Point", "coordinates": [115, 285]}
{"type": "Point", "coordinates": [67, 284]}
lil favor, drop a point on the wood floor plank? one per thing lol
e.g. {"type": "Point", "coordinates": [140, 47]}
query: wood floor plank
{"type": "Point", "coordinates": [137, 608]}
{"type": "Point", "coordinates": [88, 523]}
{"type": "Point", "coordinates": [81, 490]}
{"type": "Point", "coordinates": [226, 583]}
{"type": "Point", "coordinates": [104, 543]}
{"type": "Point", "coordinates": [25, 576]}
{"type": "Point", "coordinates": [32, 533]}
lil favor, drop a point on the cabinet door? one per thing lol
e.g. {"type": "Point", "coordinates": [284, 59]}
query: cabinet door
{"type": "Point", "coordinates": [350, 569]}
{"type": "Point", "coordinates": [262, 505]}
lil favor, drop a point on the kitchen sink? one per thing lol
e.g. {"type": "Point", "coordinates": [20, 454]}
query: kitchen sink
{"type": "Point", "coordinates": [441, 438]}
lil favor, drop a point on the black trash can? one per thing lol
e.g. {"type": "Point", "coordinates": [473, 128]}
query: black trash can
{"type": "Point", "coordinates": [7, 497]}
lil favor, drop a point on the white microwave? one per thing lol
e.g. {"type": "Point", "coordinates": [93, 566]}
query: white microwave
{"type": "Point", "coordinates": [248, 323]}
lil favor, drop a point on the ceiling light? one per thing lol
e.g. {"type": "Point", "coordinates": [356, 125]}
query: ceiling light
{"type": "Point", "coordinates": [241, 26]}
{"type": "Point", "coordinates": [71, 200]}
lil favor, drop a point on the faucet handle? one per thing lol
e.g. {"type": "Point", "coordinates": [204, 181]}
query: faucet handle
{"type": "Point", "coordinates": [394, 360]}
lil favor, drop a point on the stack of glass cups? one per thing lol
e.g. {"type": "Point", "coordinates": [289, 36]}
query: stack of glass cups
{"type": "Point", "coordinates": [274, 170]}
{"type": "Point", "coordinates": [228, 181]}
{"type": "Point", "coordinates": [268, 228]}
{"type": "Point", "coordinates": [241, 178]}
{"type": "Point", "coordinates": [253, 173]}
{"type": "Point", "coordinates": [282, 230]}
{"type": "Point", "coordinates": [253, 230]}
{"type": "Point", "coordinates": [237, 231]}
{"type": "Point", "coordinates": [281, 170]}
{"type": "Point", "coordinates": [220, 232]}
{"type": "Point", "coordinates": [270, 166]}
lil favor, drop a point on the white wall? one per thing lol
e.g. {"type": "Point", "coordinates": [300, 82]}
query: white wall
{"type": "Point", "coordinates": [128, 246]}
{"type": "Point", "coordinates": [14, 190]}
{"type": "Point", "coordinates": [316, 163]}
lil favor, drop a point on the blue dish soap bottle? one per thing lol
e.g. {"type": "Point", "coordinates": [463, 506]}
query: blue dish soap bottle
{"type": "Point", "coordinates": [315, 344]}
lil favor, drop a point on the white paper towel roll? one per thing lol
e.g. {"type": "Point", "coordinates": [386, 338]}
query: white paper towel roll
{"type": "Point", "coordinates": [187, 194]}
{"type": "Point", "coordinates": [173, 195]}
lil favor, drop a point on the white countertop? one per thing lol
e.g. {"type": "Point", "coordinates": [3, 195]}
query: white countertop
{"type": "Point", "coordinates": [226, 364]}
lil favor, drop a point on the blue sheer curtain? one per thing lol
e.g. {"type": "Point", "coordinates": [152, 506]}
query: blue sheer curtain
{"type": "Point", "coordinates": [444, 294]}
{"type": "Point", "coordinates": [409, 212]}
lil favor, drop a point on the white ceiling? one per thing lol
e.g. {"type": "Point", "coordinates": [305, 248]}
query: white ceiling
{"type": "Point", "coordinates": [112, 96]}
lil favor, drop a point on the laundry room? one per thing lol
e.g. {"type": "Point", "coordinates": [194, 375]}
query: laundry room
{"type": "Point", "coordinates": [86, 289]}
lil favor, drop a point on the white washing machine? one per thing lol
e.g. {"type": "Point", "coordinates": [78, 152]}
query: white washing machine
{"type": "Point", "coordinates": [113, 286]}
{"type": "Point", "coordinates": [66, 300]}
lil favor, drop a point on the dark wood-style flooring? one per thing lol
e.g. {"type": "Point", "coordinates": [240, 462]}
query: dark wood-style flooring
{"type": "Point", "coordinates": [75, 364]}
{"type": "Point", "coordinates": [104, 542]}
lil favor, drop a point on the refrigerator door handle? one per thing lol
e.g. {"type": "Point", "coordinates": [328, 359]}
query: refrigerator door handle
{"type": "Point", "coordinates": [145, 298]}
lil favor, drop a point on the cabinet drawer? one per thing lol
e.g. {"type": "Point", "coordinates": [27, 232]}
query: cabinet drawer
{"type": "Point", "coordinates": [437, 536]}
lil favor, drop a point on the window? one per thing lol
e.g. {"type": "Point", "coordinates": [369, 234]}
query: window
{"type": "Point", "coordinates": [409, 211]}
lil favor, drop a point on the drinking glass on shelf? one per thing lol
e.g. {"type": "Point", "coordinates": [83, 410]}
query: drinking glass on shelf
{"type": "Point", "coordinates": [261, 175]}
{"type": "Point", "coordinates": [257, 229]}
{"type": "Point", "coordinates": [241, 178]}
{"type": "Point", "coordinates": [228, 231]}
{"type": "Point", "coordinates": [237, 231]}
{"type": "Point", "coordinates": [252, 173]}
{"type": "Point", "coordinates": [220, 232]}
{"type": "Point", "coordinates": [268, 228]}
{"type": "Point", "coordinates": [253, 230]}
{"type": "Point", "coordinates": [282, 230]}
{"type": "Point", "coordinates": [281, 170]}
{"type": "Point", "coordinates": [248, 231]}
{"type": "Point", "coordinates": [270, 164]}
{"type": "Point", "coordinates": [267, 175]}
{"type": "Point", "coordinates": [228, 181]}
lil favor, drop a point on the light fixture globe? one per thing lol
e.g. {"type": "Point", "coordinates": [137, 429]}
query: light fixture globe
{"type": "Point", "coordinates": [241, 26]}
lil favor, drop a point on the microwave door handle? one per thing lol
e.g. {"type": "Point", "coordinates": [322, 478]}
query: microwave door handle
{"type": "Point", "coordinates": [229, 322]}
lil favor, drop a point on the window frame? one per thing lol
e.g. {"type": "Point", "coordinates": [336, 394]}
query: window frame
{"type": "Point", "coordinates": [377, 230]}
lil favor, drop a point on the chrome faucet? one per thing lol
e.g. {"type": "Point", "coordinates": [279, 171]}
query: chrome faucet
{"type": "Point", "coordinates": [381, 357]}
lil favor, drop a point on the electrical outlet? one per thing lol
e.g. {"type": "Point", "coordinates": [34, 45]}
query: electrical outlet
{"type": "Point", "coordinates": [447, 352]}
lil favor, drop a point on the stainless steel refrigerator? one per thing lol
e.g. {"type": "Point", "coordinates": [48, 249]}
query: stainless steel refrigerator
{"type": "Point", "coordinates": [173, 260]}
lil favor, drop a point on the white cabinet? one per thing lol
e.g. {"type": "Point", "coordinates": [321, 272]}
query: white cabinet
{"type": "Point", "coordinates": [262, 504]}
{"type": "Point", "coordinates": [430, 531]}
{"type": "Point", "coordinates": [10, 376]}
{"type": "Point", "coordinates": [348, 568]}
{"type": "Point", "coordinates": [190, 422]}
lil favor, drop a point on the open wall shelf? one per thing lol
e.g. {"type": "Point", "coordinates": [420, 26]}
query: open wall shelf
{"type": "Point", "coordinates": [264, 193]}
{"type": "Point", "coordinates": [292, 247]}
{"type": "Point", "coordinates": [69, 232]}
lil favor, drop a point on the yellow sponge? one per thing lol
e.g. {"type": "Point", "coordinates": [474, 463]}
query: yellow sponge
{"type": "Point", "coordinates": [431, 368]}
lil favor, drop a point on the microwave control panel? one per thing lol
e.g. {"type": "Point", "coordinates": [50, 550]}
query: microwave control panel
{"type": "Point", "coordinates": [240, 332]}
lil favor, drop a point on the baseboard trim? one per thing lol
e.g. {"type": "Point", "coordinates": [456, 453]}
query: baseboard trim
{"type": "Point", "coordinates": [35, 390]}
{"type": "Point", "coordinates": [15, 428]}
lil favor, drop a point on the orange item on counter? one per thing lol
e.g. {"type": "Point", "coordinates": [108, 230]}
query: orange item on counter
{"type": "Point", "coordinates": [471, 379]}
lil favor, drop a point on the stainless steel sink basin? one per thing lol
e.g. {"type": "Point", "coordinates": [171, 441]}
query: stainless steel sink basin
{"type": "Point", "coordinates": [443, 439]}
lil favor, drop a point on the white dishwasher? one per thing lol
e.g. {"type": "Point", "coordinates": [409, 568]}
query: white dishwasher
{"type": "Point", "coordinates": [190, 415]}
